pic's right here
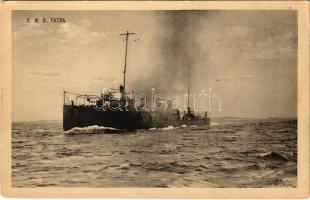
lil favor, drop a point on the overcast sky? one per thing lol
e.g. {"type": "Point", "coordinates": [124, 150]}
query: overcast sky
{"type": "Point", "coordinates": [248, 57]}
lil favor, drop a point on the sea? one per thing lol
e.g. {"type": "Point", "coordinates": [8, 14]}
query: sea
{"type": "Point", "coordinates": [230, 153]}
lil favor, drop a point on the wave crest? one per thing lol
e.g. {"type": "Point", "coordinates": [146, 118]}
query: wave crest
{"type": "Point", "coordinates": [95, 129]}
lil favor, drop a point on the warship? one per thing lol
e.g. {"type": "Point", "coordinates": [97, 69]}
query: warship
{"type": "Point", "coordinates": [115, 108]}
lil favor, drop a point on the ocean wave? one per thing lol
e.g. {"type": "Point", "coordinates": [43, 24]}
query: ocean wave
{"type": "Point", "coordinates": [172, 166]}
{"type": "Point", "coordinates": [224, 156]}
{"type": "Point", "coordinates": [273, 156]}
{"type": "Point", "coordinates": [92, 130]}
{"type": "Point", "coordinates": [168, 128]}
{"type": "Point", "coordinates": [221, 123]}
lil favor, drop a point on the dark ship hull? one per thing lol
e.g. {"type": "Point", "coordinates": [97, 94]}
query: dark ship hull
{"type": "Point", "coordinates": [85, 115]}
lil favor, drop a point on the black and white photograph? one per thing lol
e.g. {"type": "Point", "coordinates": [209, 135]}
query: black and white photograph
{"type": "Point", "coordinates": [168, 98]}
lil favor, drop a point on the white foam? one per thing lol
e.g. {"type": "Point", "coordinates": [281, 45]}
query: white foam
{"type": "Point", "coordinates": [220, 123]}
{"type": "Point", "coordinates": [90, 129]}
{"type": "Point", "coordinates": [215, 123]}
{"type": "Point", "coordinates": [167, 128]}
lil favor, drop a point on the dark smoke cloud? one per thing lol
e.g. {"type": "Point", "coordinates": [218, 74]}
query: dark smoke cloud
{"type": "Point", "coordinates": [178, 51]}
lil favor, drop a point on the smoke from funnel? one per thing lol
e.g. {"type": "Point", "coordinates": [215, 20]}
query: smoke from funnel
{"type": "Point", "coordinates": [178, 49]}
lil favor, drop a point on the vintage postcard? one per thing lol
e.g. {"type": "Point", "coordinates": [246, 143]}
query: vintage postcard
{"type": "Point", "coordinates": [155, 99]}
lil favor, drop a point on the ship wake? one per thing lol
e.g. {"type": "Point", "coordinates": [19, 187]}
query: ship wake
{"type": "Point", "coordinates": [93, 130]}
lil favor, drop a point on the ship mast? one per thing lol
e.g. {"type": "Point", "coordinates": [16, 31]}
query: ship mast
{"type": "Point", "coordinates": [127, 34]}
{"type": "Point", "coordinates": [188, 86]}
